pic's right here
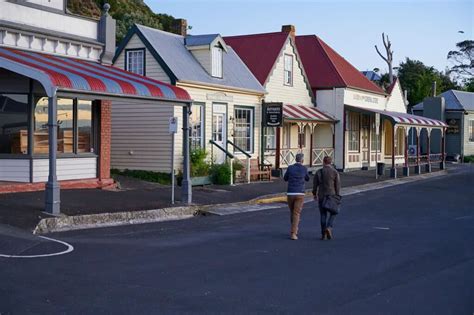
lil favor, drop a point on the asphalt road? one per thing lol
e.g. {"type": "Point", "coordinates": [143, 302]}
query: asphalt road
{"type": "Point", "coordinates": [403, 250]}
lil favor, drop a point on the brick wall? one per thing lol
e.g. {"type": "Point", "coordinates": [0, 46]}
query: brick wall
{"type": "Point", "coordinates": [105, 131]}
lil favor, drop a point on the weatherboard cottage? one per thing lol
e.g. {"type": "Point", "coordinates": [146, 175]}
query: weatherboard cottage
{"type": "Point", "coordinates": [226, 96]}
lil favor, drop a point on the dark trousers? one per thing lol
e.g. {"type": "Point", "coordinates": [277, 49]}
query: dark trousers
{"type": "Point", "coordinates": [325, 222]}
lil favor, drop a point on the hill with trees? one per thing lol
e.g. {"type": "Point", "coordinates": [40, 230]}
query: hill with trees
{"type": "Point", "coordinates": [126, 12]}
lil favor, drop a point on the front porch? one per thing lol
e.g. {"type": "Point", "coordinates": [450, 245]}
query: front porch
{"type": "Point", "coordinates": [305, 130]}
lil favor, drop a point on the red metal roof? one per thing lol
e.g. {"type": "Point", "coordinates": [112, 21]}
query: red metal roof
{"type": "Point", "coordinates": [325, 68]}
{"type": "Point", "coordinates": [258, 51]}
{"type": "Point", "coordinates": [68, 74]}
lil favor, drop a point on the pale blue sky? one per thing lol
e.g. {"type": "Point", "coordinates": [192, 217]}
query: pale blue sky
{"type": "Point", "coordinates": [419, 29]}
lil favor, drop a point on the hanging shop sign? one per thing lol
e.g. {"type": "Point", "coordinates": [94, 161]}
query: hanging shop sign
{"type": "Point", "coordinates": [453, 126]}
{"type": "Point", "coordinates": [272, 114]}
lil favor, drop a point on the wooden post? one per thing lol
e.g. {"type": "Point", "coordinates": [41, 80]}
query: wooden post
{"type": "Point", "coordinates": [311, 146]}
{"type": "Point", "coordinates": [417, 167]}
{"type": "Point", "coordinates": [393, 171]}
{"type": "Point", "coordinates": [428, 150]}
{"type": "Point", "coordinates": [406, 169]}
{"type": "Point", "coordinates": [443, 149]}
{"type": "Point", "coordinates": [278, 148]}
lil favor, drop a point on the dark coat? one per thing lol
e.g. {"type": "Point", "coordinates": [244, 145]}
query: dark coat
{"type": "Point", "coordinates": [296, 175]}
{"type": "Point", "coordinates": [326, 182]}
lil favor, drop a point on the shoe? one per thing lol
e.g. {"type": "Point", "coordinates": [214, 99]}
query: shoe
{"type": "Point", "coordinates": [323, 237]}
{"type": "Point", "coordinates": [293, 237]}
{"type": "Point", "coordinates": [329, 233]}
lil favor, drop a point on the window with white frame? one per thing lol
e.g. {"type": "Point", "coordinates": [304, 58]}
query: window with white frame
{"type": "Point", "coordinates": [243, 128]}
{"type": "Point", "coordinates": [217, 62]}
{"type": "Point", "coordinates": [288, 60]}
{"type": "Point", "coordinates": [196, 122]}
{"type": "Point", "coordinates": [471, 130]}
{"type": "Point", "coordinates": [270, 139]}
{"type": "Point", "coordinates": [353, 130]}
{"type": "Point", "coordinates": [135, 61]}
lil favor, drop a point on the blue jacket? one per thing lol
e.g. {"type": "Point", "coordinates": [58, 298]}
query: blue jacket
{"type": "Point", "coordinates": [296, 175]}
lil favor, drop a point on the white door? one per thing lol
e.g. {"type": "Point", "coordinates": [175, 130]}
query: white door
{"type": "Point", "coordinates": [219, 135]}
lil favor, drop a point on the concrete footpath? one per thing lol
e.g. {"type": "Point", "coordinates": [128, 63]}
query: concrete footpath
{"type": "Point", "coordinates": [141, 202]}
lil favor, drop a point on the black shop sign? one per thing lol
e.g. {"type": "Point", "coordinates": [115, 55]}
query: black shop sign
{"type": "Point", "coordinates": [453, 126]}
{"type": "Point", "coordinates": [272, 114]}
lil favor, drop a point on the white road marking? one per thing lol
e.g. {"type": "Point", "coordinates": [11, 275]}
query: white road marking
{"type": "Point", "coordinates": [464, 217]}
{"type": "Point", "coordinates": [381, 228]}
{"type": "Point", "coordinates": [69, 249]}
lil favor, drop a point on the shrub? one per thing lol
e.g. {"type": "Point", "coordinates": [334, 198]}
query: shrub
{"type": "Point", "coordinates": [469, 159]}
{"type": "Point", "coordinates": [220, 174]}
{"type": "Point", "coordinates": [149, 176]}
{"type": "Point", "coordinates": [199, 164]}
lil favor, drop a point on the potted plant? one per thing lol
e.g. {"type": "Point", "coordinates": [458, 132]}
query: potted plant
{"type": "Point", "coordinates": [199, 167]}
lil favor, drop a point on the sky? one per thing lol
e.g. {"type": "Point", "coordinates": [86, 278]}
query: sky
{"type": "Point", "coordinates": [418, 29]}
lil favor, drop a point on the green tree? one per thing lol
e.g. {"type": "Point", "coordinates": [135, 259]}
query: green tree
{"type": "Point", "coordinates": [417, 79]}
{"type": "Point", "coordinates": [462, 61]}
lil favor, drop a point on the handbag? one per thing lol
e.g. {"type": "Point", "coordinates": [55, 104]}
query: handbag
{"type": "Point", "coordinates": [332, 203]}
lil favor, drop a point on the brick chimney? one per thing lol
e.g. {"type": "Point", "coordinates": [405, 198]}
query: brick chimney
{"type": "Point", "coordinates": [289, 29]}
{"type": "Point", "coordinates": [180, 27]}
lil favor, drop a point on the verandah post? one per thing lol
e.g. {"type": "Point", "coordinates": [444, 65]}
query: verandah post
{"type": "Point", "coordinates": [393, 170]}
{"type": "Point", "coordinates": [186, 184]}
{"type": "Point", "coordinates": [442, 164]}
{"type": "Point", "coordinates": [417, 167]}
{"type": "Point", "coordinates": [53, 202]}
{"type": "Point", "coordinates": [406, 169]}
{"type": "Point", "coordinates": [278, 148]}
{"type": "Point", "coordinates": [428, 151]}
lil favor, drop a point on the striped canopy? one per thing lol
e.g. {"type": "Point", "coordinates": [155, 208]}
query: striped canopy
{"type": "Point", "coordinates": [74, 75]}
{"type": "Point", "coordinates": [404, 118]}
{"type": "Point", "coordinates": [305, 113]}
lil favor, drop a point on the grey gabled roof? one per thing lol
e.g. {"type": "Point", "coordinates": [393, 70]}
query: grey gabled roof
{"type": "Point", "coordinates": [185, 67]}
{"type": "Point", "coordinates": [455, 100]}
{"type": "Point", "coordinates": [199, 40]}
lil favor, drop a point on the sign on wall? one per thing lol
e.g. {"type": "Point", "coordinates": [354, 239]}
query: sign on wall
{"type": "Point", "coordinates": [453, 126]}
{"type": "Point", "coordinates": [272, 114]}
{"type": "Point", "coordinates": [173, 127]}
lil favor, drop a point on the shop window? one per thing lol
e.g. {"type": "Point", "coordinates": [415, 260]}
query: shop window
{"type": "Point", "coordinates": [196, 122]}
{"type": "Point", "coordinates": [243, 128]}
{"type": "Point", "coordinates": [302, 138]}
{"type": "Point", "coordinates": [375, 141]}
{"type": "Point", "coordinates": [400, 142]}
{"type": "Point", "coordinates": [13, 124]}
{"type": "Point", "coordinates": [135, 61]}
{"type": "Point", "coordinates": [353, 131]}
{"type": "Point", "coordinates": [288, 60]}
{"type": "Point", "coordinates": [217, 62]}
{"type": "Point", "coordinates": [75, 121]}
{"type": "Point", "coordinates": [270, 139]}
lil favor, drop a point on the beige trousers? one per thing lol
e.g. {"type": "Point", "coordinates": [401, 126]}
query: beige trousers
{"type": "Point", "coordinates": [295, 203]}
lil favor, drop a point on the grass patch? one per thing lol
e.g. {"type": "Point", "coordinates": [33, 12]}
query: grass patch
{"type": "Point", "coordinates": [149, 176]}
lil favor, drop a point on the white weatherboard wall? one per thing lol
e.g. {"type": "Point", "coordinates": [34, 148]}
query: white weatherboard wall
{"type": "Point", "coordinates": [140, 137]}
{"type": "Point", "coordinates": [15, 170]}
{"type": "Point", "coordinates": [152, 67]}
{"type": "Point", "coordinates": [395, 102]}
{"type": "Point", "coordinates": [332, 102]}
{"type": "Point", "coordinates": [296, 94]}
{"type": "Point", "coordinates": [468, 145]}
{"type": "Point", "coordinates": [67, 169]}
{"type": "Point", "coordinates": [205, 96]}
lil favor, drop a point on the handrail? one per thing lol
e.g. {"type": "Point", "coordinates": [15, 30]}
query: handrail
{"type": "Point", "coordinates": [238, 148]}
{"type": "Point", "coordinates": [227, 153]}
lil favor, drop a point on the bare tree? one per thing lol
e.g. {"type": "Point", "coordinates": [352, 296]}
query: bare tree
{"type": "Point", "coordinates": [389, 58]}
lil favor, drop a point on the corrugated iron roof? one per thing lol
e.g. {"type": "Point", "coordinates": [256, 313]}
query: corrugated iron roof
{"type": "Point", "coordinates": [68, 74]}
{"type": "Point", "coordinates": [455, 100]}
{"type": "Point", "coordinates": [325, 68]}
{"type": "Point", "coordinates": [259, 51]}
{"type": "Point", "coordinates": [185, 67]}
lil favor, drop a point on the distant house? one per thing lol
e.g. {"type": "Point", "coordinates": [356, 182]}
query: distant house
{"type": "Point", "coordinates": [274, 60]}
{"type": "Point", "coordinates": [374, 125]}
{"type": "Point", "coordinates": [456, 108]}
{"type": "Point", "coordinates": [226, 99]}
{"type": "Point", "coordinates": [372, 76]}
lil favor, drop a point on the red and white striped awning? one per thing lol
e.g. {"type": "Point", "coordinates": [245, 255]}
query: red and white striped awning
{"type": "Point", "coordinates": [305, 113]}
{"type": "Point", "coordinates": [404, 118]}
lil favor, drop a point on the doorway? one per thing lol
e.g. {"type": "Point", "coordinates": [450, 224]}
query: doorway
{"type": "Point", "coordinates": [219, 131]}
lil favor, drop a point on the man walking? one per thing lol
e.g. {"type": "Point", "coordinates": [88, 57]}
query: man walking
{"type": "Point", "coordinates": [296, 175]}
{"type": "Point", "coordinates": [326, 183]}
